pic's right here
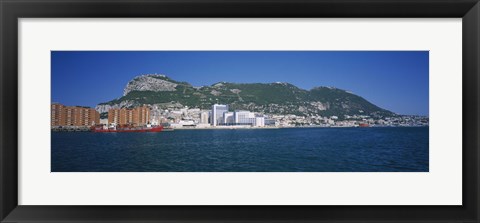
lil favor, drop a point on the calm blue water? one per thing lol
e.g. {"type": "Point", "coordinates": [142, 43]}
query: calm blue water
{"type": "Point", "coordinates": [269, 150]}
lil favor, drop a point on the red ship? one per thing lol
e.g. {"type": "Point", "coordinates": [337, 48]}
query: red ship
{"type": "Point", "coordinates": [126, 128]}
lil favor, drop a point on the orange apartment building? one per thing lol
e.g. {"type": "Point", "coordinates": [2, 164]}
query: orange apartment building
{"type": "Point", "coordinates": [138, 116]}
{"type": "Point", "coordinates": [62, 115]}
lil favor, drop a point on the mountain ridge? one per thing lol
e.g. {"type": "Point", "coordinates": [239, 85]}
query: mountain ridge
{"type": "Point", "coordinates": [268, 98]}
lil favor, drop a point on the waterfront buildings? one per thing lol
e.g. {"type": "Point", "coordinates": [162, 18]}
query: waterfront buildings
{"type": "Point", "coordinates": [62, 115]}
{"type": "Point", "coordinates": [185, 117]}
{"type": "Point", "coordinates": [260, 121]}
{"type": "Point", "coordinates": [228, 118]}
{"type": "Point", "coordinates": [138, 116]}
{"type": "Point", "coordinates": [244, 118]}
{"type": "Point", "coordinates": [204, 118]}
{"type": "Point", "coordinates": [104, 121]}
{"type": "Point", "coordinates": [217, 114]}
{"type": "Point", "coordinates": [221, 116]}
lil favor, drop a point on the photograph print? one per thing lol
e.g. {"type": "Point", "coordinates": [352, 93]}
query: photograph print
{"type": "Point", "coordinates": [239, 111]}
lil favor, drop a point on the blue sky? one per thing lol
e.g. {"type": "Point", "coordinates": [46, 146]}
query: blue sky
{"type": "Point", "coordinates": [394, 80]}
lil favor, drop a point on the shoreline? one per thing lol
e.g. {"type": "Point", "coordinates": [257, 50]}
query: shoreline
{"type": "Point", "coordinates": [83, 129]}
{"type": "Point", "coordinates": [293, 127]}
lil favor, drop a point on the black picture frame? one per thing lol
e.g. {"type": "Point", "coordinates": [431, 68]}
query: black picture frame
{"type": "Point", "coordinates": [12, 10]}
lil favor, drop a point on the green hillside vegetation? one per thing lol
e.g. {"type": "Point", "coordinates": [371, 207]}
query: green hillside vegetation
{"type": "Point", "coordinates": [270, 98]}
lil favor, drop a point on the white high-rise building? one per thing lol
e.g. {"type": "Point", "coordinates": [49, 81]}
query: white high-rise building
{"type": "Point", "coordinates": [217, 114]}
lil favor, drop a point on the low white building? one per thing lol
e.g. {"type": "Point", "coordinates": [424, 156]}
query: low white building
{"type": "Point", "coordinates": [204, 118]}
{"type": "Point", "coordinates": [259, 121]}
{"type": "Point", "coordinates": [104, 121]}
{"type": "Point", "coordinates": [244, 118]}
{"type": "Point", "coordinates": [228, 118]}
{"type": "Point", "coordinates": [186, 123]}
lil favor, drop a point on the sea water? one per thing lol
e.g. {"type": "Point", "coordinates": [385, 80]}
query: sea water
{"type": "Point", "coordinates": [383, 149]}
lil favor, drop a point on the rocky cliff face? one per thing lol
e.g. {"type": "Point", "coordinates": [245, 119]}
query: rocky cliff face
{"type": "Point", "coordinates": [149, 82]}
{"type": "Point", "coordinates": [102, 108]}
